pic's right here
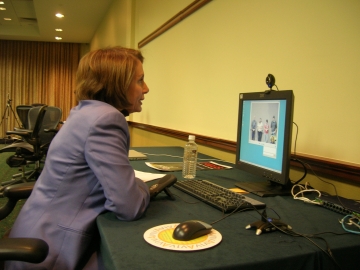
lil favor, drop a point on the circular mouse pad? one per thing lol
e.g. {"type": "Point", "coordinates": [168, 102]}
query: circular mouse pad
{"type": "Point", "coordinates": [161, 237]}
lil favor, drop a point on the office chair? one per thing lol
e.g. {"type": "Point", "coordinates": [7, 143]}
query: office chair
{"type": "Point", "coordinates": [22, 113]}
{"type": "Point", "coordinates": [31, 250]}
{"type": "Point", "coordinates": [28, 126]}
{"type": "Point", "coordinates": [43, 122]}
{"type": "Point", "coordinates": [49, 128]}
{"type": "Point", "coordinates": [28, 149]}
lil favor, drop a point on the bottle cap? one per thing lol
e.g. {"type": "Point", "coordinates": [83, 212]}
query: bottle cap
{"type": "Point", "coordinates": [191, 137]}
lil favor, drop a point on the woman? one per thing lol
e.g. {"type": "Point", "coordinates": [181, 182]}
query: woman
{"type": "Point", "coordinates": [266, 131]}
{"type": "Point", "coordinates": [87, 171]}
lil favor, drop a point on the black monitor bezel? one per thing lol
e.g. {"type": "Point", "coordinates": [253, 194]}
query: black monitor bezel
{"type": "Point", "coordinates": [274, 177]}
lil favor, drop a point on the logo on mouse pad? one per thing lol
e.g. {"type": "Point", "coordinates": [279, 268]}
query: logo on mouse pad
{"type": "Point", "coordinates": [161, 237]}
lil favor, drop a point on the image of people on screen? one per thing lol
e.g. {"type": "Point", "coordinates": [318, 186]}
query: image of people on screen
{"type": "Point", "coordinates": [266, 131]}
{"type": "Point", "coordinates": [253, 128]}
{"type": "Point", "coordinates": [273, 130]}
{"type": "Point", "coordinates": [261, 132]}
{"type": "Point", "coordinates": [260, 127]}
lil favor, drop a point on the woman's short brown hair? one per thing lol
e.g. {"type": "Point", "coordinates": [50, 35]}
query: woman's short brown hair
{"type": "Point", "coordinates": [106, 74]}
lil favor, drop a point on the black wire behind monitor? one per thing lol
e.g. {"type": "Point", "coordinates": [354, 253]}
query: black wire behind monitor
{"type": "Point", "coordinates": [265, 155]}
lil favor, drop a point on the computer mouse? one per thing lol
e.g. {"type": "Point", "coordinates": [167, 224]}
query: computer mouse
{"type": "Point", "coordinates": [191, 229]}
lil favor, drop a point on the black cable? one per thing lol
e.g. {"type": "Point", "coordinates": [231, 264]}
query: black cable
{"type": "Point", "coordinates": [297, 130]}
{"type": "Point", "coordinates": [297, 160]}
{"type": "Point", "coordinates": [304, 164]}
{"type": "Point", "coordinates": [334, 233]}
{"type": "Point", "coordinates": [216, 221]}
{"type": "Point", "coordinates": [233, 212]}
{"type": "Point", "coordinates": [328, 251]}
{"type": "Point", "coordinates": [336, 193]}
{"type": "Point", "coordinates": [289, 232]}
{"type": "Point", "coordinates": [305, 170]}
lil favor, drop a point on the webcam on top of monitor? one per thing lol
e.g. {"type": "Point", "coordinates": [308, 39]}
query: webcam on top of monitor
{"type": "Point", "coordinates": [270, 81]}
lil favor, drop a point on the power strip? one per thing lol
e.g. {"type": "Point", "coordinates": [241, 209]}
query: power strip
{"type": "Point", "coordinates": [340, 204]}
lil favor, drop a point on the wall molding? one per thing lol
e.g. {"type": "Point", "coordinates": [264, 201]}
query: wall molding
{"type": "Point", "coordinates": [348, 172]}
{"type": "Point", "coordinates": [190, 9]}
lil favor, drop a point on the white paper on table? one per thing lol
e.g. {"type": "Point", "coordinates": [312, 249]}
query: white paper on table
{"type": "Point", "coordinates": [145, 176]}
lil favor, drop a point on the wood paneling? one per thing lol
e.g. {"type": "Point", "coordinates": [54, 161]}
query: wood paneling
{"type": "Point", "coordinates": [346, 171]}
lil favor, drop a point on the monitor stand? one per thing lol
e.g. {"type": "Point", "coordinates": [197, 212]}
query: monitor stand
{"type": "Point", "coordinates": [266, 188]}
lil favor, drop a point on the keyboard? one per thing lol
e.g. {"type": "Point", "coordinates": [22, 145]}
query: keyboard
{"type": "Point", "coordinates": [217, 196]}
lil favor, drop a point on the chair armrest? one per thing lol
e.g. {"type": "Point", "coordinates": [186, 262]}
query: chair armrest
{"type": "Point", "coordinates": [50, 130]}
{"type": "Point", "coordinates": [31, 250]}
{"type": "Point", "coordinates": [19, 191]}
{"type": "Point", "coordinates": [15, 193]}
{"type": "Point", "coordinates": [18, 128]}
{"type": "Point", "coordinates": [22, 133]}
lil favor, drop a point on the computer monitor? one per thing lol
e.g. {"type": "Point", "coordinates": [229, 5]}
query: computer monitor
{"type": "Point", "coordinates": [264, 141]}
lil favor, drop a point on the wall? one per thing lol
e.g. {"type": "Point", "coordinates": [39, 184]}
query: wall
{"type": "Point", "coordinates": [196, 70]}
{"type": "Point", "coordinates": [201, 65]}
{"type": "Point", "coordinates": [117, 26]}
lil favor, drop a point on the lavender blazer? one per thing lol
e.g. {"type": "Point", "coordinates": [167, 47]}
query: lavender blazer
{"type": "Point", "coordinates": [86, 172]}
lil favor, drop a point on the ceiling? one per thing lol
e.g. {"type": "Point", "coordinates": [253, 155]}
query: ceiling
{"type": "Point", "coordinates": [35, 20]}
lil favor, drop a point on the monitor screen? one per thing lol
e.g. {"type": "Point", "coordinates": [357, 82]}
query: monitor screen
{"type": "Point", "coordinates": [264, 140]}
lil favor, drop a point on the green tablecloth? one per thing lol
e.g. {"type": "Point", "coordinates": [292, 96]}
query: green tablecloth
{"type": "Point", "coordinates": [123, 245]}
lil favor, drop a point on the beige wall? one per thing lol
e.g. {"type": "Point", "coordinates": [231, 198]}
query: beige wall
{"type": "Point", "coordinates": [196, 70]}
{"type": "Point", "coordinates": [201, 65]}
{"type": "Point", "coordinates": [117, 26]}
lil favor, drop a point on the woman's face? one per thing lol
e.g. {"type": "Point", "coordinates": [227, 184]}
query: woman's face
{"type": "Point", "coordinates": [137, 89]}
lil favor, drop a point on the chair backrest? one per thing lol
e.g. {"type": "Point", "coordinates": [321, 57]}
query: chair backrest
{"type": "Point", "coordinates": [23, 111]}
{"type": "Point", "coordinates": [51, 120]}
{"type": "Point", "coordinates": [35, 118]}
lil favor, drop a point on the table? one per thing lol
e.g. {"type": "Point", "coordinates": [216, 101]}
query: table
{"type": "Point", "coordinates": [123, 245]}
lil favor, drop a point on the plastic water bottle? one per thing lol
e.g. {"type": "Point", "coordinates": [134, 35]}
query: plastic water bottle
{"type": "Point", "coordinates": [190, 158]}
